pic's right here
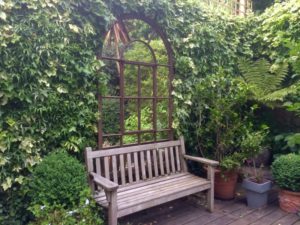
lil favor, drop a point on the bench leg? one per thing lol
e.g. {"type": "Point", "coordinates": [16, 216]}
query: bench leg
{"type": "Point", "coordinates": [210, 192]}
{"type": "Point", "coordinates": [210, 200]}
{"type": "Point", "coordinates": [113, 209]}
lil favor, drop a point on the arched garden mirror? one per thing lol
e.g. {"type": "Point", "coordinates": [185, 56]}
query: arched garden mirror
{"type": "Point", "coordinates": [136, 106]}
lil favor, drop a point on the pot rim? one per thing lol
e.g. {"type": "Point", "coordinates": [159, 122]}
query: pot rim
{"type": "Point", "coordinates": [297, 193]}
{"type": "Point", "coordinates": [265, 181]}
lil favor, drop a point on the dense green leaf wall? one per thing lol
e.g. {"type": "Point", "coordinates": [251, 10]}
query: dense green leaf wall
{"type": "Point", "coordinates": [49, 70]}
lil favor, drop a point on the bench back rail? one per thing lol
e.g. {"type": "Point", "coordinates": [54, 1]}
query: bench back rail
{"type": "Point", "coordinates": [128, 165]}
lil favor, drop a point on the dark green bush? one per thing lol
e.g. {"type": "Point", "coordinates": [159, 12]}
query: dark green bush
{"type": "Point", "coordinates": [58, 179]}
{"type": "Point", "coordinates": [286, 171]}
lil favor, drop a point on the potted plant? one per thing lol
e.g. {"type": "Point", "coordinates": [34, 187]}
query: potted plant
{"type": "Point", "coordinates": [219, 119]}
{"type": "Point", "coordinates": [226, 176]}
{"type": "Point", "coordinates": [257, 187]}
{"type": "Point", "coordinates": [286, 172]}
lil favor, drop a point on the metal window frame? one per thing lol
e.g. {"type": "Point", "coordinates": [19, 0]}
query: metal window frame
{"type": "Point", "coordinates": [154, 65]}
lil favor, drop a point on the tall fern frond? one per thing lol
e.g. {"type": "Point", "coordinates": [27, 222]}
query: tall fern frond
{"type": "Point", "coordinates": [280, 94]}
{"type": "Point", "coordinates": [265, 85]}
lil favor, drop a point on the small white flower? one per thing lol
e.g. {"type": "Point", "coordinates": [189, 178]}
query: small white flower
{"type": "Point", "coordinates": [87, 201]}
{"type": "Point", "coordinates": [70, 212]}
{"type": "Point", "coordinates": [42, 207]}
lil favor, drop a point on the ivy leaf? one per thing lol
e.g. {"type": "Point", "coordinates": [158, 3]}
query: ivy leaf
{"type": "Point", "coordinates": [74, 28]}
{"type": "Point", "coordinates": [7, 184]}
{"type": "Point", "coordinates": [3, 15]}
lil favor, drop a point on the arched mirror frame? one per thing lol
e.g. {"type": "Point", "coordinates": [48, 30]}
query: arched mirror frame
{"type": "Point", "coordinates": [121, 62]}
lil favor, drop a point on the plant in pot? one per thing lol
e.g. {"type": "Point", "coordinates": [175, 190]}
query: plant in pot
{"type": "Point", "coordinates": [218, 119]}
{"type": "Point", "coordinates": [257, 187]}
{"type": "Point", "coordinates": [226, 176]}
{"type": "Point", "coordinates": [286, 172]}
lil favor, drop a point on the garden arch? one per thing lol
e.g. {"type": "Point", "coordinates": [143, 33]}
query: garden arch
{"type": "Point", "coordinates": [151, 80]}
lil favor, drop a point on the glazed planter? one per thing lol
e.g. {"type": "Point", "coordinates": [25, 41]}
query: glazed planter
{"type": "Point", "coordinates": [257, 193]}
{"type": "Point", "coordinates": [289, 201]}
{"type": "Point", "coordinates": [225, 184]}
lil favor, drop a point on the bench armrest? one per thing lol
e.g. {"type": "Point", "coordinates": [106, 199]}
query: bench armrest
{"type": "Point", "coordinates": [202, 160]}
{"type": "Point", "coordinates": [106, 184]}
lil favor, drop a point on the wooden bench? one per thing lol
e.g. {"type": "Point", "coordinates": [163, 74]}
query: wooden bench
{"type": "Point", "coordinates": [129, 179]}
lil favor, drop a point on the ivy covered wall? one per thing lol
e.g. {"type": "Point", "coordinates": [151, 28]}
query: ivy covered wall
{"type": "Point", "coordinates": [49, 70]}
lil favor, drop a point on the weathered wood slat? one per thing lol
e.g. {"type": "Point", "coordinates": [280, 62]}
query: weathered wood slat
{"type": "Point", "coordinates": [106, 167]}
{"type": "Point", "coordinates": [177, 158]}
{"type": "Point", "coordinates": [155, 180]}
{"type": "Point", "coordinates": [136, 166]}
{"type": "Point", "coordinates": [146, 186]}
{"type": "Point", "coordinates": [155, 163]}
{"type": "Point", "coordinates": [137, 148]}
{"type": "Point", "coordinates": [167, 160]}
{"type": "Point", "coordinates": [172, 159]}
{"type": "Point", "coordinates": [115, 169]}
{"type": "Point", "coordinates": [202, 160]}
{"type": "Point", "coordinates": [89, 166]}
{"type": "Point", "coordinates": [182, 153]}
{"type": "Point", "coordinates": [161, 162]}
{"type": "Point", "coordinates": [149, 164]}
{"type": "Point", "coordinates": [129, 167]}
{"type": "Point", "coordinates": [157, 200]}
{"type": "Point", "coordinates": [142, 160]}
{"type": "Point", "coordinates": [157, 189]}
{"type": "Point", "coordinates": [122, 169]}
{"type": "Point", "coordinates": [98, 166]}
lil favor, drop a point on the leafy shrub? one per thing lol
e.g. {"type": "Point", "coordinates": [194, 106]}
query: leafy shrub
{"type": "Point", "coordinates": [58, 179]}
{"type": "Point", "coordinates": [286, 171]}
{"type": "Point", "coordinates": [14, 205]}
{"type": "Point", "coordinates": [85, 213]}
{"type": "Point", "coordinates": [218, 118]}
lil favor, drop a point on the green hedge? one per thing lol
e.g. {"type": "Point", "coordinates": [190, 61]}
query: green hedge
{"type": "Point", "coordinates": [286, 172]}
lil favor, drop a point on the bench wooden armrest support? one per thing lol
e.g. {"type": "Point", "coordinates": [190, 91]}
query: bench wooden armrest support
{"type": "Point", "coordinates": [106, 184]}
{"type": "Point", "coordinates": [208, 162]}
{"type": "Point", "coordinates": [110, 189]}
{"type": "Point", "coordinates": [211, 164]}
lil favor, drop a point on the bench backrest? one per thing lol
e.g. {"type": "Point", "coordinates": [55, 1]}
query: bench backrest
{"type": "Point", "coordinates": [128, 165]}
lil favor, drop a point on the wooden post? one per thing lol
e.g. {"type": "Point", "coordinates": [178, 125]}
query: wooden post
{"type": "Point", "coordinates": [113, 209]}
{"type": "Point", "coordinates": [182, 152]}
{"type": "Point", "coordinates": [210, 192]}
{"type": "Point", "coordinates": [89, 167]}
{"type": "Point", "coordinates": [242, 8]}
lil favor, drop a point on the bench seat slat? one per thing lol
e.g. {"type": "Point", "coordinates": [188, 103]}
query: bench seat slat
{"type": "Point", "coordinates": [144, 186]}
{"type": "Point", "coordinates": [133, 199]}
{"type": "Point", "coordinates": [138, 206]}
{"type": "Point", "coordinates": [152, 192]}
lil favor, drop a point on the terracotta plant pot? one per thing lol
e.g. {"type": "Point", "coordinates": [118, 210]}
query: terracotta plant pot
{"type": "Point", "coordinates": [289, 201]}
{"type": "Point", "coordinates": [225, 184]}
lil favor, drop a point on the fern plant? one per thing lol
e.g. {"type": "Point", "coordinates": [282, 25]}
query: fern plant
{"type": "Point", "coordinates": [266, 81]}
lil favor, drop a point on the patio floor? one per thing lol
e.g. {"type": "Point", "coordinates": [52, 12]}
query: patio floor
{"type": "Point", "coordinates": [191, 211]}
